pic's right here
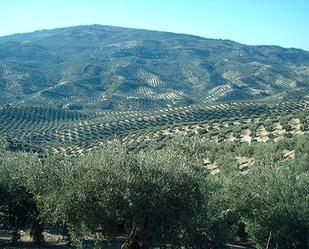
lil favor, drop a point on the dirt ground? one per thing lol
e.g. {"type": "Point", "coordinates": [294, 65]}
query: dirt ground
{"type": "Point", "coordinates": [52, 241]}
{"type": "Point", "coordinates": [26, 242]}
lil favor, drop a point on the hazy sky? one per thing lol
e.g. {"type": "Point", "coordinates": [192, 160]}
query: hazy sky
{"type": "Point", "coordinates": [277, 22]}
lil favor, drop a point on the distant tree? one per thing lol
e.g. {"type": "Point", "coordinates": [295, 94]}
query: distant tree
{"type": "Point", "coordinates": [301, 150]}
{"type": "Point", "coordinates": [245, 150]}
{"type": "Point", "coordinates": [76, 107]}
{"type": "Point", "coordinates": [237, 130]}
{"type": "Point", "coordinates": [3, 145]}
{"type": "Point", "coordinates": [271, 135]}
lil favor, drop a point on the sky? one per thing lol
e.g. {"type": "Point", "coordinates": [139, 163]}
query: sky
{"type": "Point", "coordinates": [253, 22]}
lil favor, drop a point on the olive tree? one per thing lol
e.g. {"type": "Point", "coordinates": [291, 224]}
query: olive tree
{"type": "Point", "coordinates": [272, 200]}
{"type": "Point", "coordinates": [153, 197]}
{"type": "Point", "coordinates": [17, 204]}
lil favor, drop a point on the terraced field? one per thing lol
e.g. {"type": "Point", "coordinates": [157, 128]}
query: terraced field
{"type": "Point", "coordinates": [70, 132]}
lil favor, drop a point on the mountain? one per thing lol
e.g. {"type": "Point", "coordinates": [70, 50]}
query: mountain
{"type": "Point", "coordinates": [111, 68]}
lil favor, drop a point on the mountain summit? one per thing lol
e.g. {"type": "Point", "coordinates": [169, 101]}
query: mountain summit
{"type": "Point", "coordinates": [103, 67]}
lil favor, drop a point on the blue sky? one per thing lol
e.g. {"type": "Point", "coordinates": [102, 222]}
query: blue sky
{"type": "Point", "coordinates": [254, 22]}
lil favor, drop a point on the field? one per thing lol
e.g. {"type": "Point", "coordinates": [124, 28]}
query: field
{"type": "Point", "coordinates": [68, 132]}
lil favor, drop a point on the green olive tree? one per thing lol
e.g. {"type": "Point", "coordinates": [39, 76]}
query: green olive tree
{"type": "Point", "coordinates": [153, 197]}
{"type": "Point", "coordinates": [272, 200]}
{"type": "Point", "coordinates": [18, 209]}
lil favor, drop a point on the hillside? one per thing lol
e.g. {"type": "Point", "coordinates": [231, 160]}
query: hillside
{"type": "Point", "coordinates": [51, 130]}
{"type": "Point", "coordinates": [111, 68]}
{"type": "Point", "coordinates": [123, 138]}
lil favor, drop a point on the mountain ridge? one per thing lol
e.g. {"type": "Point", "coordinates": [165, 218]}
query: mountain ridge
{"type": "Point", "coordinates": [147, 30]}
{"type": "Point", "coordinates": [113, 68]}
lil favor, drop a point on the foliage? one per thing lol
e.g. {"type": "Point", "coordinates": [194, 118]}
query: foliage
{"type": "Point", "coordinates": [162, 195]}
{"type": "Point", "coordinates": [154, 197]}
{"type": "Point", "coordinates": [272, 198]}
{"type": "Point", "coordinates": [18, 208]}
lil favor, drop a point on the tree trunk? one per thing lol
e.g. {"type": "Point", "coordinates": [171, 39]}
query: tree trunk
{"type": "Point", "coordinates": [136, 240]}
{"type": "Point", "coordinates": [36, 232]}
{"type": "Point", "coordinates": [268, 241]}
{"type": "Point", "coordinates": [15, 236]}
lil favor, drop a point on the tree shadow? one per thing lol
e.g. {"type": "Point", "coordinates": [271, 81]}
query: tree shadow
{"type": "Point", "coordinates": [7, 244]}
